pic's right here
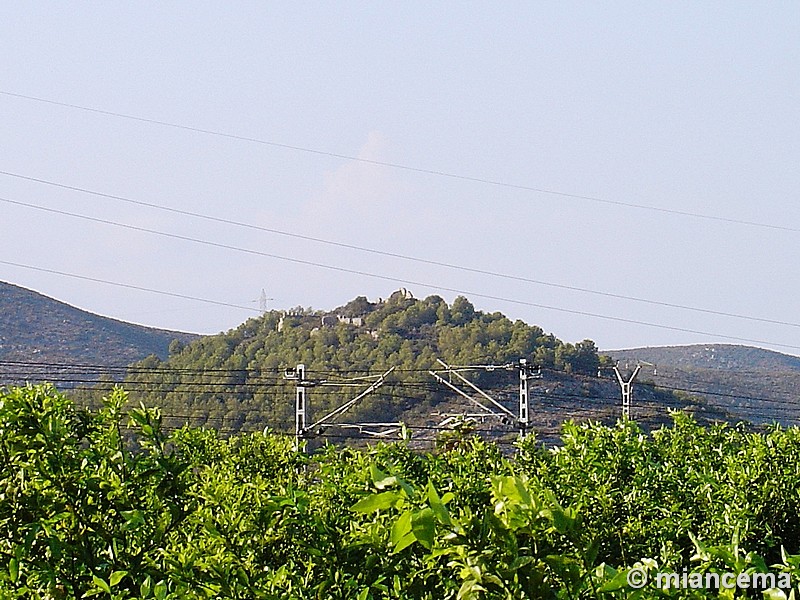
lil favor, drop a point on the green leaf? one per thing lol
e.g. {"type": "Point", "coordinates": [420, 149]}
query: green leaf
{"type": "Point", "coordinates": [401, 527]}
{"type": "Point", "coordinates": [470, 590]}
{"type": "Point", "coordinates": [404, 542]}
{"type": "Point", "coordinates": [133, 519]}
{"type": "Point", "coordinates": [13, 570]}
{"type": "Point", "coordinates": [618, 581]}
{"type": "Point", "coordinates": [521, 561]}
{"type": "Point", "coordinates": [402, 536]}
{"type": "Point", "coordinates": [116, 577]}
{"type": "Point", "coordinates": [146, 587]}
{"type": "Point", "coordinates": [567, 567]}
{"type": "Point", "coordinates": [211, 529]}
{"type": "Point", "coordinates": [563, 519]}
{"type": "Point", "coordinates": [138, 416]}
{"type": "Point", "coordinates": [406, 487]}
{"type": "Point", "coordinates": [380, 479]}
{"type": "Point", "coordinates": [100, 583]}
{"type": "Point", "coordinates": [160, 590]}
{"type": "Point", "coordinates": [375, 502]}
{"type": "Point", "coordinates": [423, 525]}
{"type": "Point", "coordinates": [437, 506]}
{"type": "Point", "coordinates": [521, 491]}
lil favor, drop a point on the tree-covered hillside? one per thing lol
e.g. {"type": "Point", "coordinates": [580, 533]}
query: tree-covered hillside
{"type": "Point", "coordinates": [236, 378]}
{"type": "Point", "coordinates": [234, 381]}
{"type": "Point", "coordinates": [401, 331]}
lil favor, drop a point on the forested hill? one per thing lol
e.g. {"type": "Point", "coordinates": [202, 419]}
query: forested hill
{"type": "Point", "coordinates": [401, 332]}
{"type": "Point", "coordinates": [234, 381]}
{"type": "Point", "coordinates": [35, 328]}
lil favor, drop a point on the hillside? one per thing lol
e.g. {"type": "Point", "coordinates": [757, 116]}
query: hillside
{"type": "Point", "coordinates": [727, 357]}
{"type": "Point", "coordinates": [235, 381]}
{"type": "Point", "coordinates": [38, 329]}
{"type": "Point", "coordinates": [753, 384]}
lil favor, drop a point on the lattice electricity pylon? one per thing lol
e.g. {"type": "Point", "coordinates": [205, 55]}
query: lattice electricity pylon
{"type": "Point", "coordinates": [303, 432]}
{"type": "Point", "coordinates": [499, 411]}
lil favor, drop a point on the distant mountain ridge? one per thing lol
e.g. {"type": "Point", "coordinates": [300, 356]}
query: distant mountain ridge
{"type": "Point", "coordinates": [754, 384]}
{"type": "Point", "coordinates": [712, 356]}
{"type": "Point", "coordinates": [37, 328]}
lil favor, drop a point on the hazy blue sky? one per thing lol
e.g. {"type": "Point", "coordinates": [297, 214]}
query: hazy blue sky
{"type": "Point", "coordinates": [689, 107]}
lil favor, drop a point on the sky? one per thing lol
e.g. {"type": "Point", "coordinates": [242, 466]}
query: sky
{"type": "Point", "coordinates": [625, 172]}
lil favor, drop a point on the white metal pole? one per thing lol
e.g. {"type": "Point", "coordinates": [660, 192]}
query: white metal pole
{"type": "Point", "coordinates": [300, 407]}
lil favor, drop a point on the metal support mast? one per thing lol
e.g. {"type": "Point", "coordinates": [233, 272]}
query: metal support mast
{"type": "Point", "coordinates": [494, 408]}
{"type": "Point", "coordinates": [626, 386]}
{"type": "Point", "coordinates": [525, 374]}
{"type": "Point", "coordinates": [524, 402]}
{"type": "Point", "coordinates": [299, 376]}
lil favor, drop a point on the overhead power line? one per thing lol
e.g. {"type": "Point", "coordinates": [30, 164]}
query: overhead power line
{"type": "Point", "coordinates": [66, 372]}
{"type": "Point", "coordinates": [127, 285]}
{"type": "Point", "coordinates": [557, 401]}
{"type": "Point", "coordinates": [396, 254]}
{"type": "Point", "coordinates": [361, 273]}
{"type": "Point", "coordinates": [217, 372]}
{"type": "Point", "coordinates": [408, 168]}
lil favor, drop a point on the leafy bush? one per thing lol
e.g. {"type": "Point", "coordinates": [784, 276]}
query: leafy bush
{"type": "Point", "coordinates": [86, 511]}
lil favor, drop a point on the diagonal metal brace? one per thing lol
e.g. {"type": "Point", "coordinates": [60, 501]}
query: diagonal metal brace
{"type": "Point", "coordinates": [350, 403]}
{"type": "Point", "coordinates": [474, 387]}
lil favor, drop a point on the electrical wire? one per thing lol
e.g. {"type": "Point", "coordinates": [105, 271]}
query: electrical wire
{"type": "Point", "coordinates": [132, 369]}
{"type": "Point", "coordinates": [408, 168]}
{"type": "Point", "coordinates": [34, 369]}
{"type": "Point", "coordinates": [371, 275]}
{"type": "Point", "coordinates": [126, 285]}
{"type": "Point", "coordinates": [400, 256]}
{"type": "Point", "coordinates": [548, 401]}
{"type": "Point", "coordinates": [723, 394]}
{"type": "Point", "coordinates": [586, 407]}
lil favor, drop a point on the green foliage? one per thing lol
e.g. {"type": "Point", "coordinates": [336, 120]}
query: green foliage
{"type": "Point", "coordinates": [648, 495]}
{"type": "Point", "coordinates": [80, 514]}
{"type": "Point", "coordinates": [83, 513]}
